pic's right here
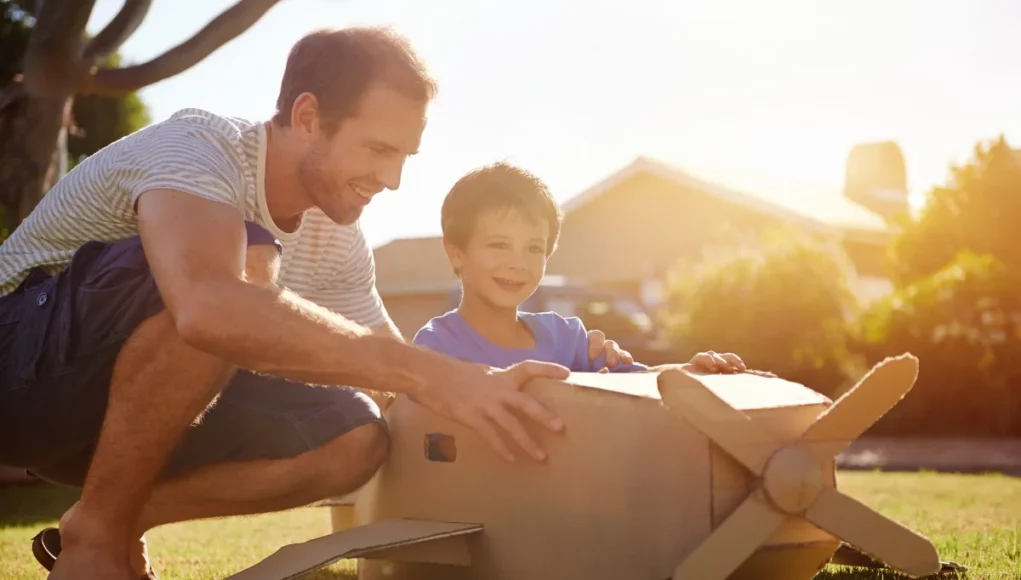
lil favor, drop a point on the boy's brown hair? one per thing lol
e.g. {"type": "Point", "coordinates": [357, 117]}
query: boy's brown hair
{"type": "Point", "coordinates": [338, 65]}
{"type": "Point", "coordinates": [498, 187]}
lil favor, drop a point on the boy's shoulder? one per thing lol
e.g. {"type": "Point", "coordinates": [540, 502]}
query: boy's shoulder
{"type": "Point", "coordinates": [442, 324]}
{"type": "Point", "coordinates": [556, 322]}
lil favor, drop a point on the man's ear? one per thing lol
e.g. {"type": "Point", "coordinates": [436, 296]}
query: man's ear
{"type": "Point", "coordinates": [305, 116]}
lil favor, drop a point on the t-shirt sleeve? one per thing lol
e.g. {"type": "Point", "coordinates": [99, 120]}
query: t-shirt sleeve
{"type": "Point", "coordinates": [573, 333]}
{"type": "Point", "coordinates": [357, 276]}
{"type": "Point", "coordinates": [430, 338]}
{"type": "Point", "coordinates": [184, 155]}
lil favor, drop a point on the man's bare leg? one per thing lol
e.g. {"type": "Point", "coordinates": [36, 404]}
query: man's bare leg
{"type": "Point", "coordinates": [247, 487]}
{"type": "Point", "coordinates": [158, 387]}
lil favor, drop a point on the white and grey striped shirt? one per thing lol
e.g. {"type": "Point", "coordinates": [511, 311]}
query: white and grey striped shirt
{"type": "Point", "coordinates": [219, 158]}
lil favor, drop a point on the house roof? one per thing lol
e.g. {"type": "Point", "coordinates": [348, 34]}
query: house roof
{"type": "Point", "coordinates": [419, 264]}
{"type": "Point", "coordinates": [814, 206]}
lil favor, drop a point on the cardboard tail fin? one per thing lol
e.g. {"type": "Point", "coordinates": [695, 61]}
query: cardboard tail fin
{"type": "Point", "coordinates": [294, 560]}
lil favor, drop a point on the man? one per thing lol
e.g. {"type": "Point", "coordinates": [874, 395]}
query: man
{"type": "Point", "coordinates": [154, 347]}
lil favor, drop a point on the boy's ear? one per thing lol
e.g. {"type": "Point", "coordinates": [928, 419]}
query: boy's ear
{"type": "Point", "coordinates": [454, 255]}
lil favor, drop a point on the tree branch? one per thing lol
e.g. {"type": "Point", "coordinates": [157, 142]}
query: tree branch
{"type": "Point", "coordinates": [221, 30]}
{"type": "Point", "coordinates": [118, 30]}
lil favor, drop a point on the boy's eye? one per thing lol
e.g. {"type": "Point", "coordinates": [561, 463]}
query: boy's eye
{"type": "Point", "coordinates": [537, 249]}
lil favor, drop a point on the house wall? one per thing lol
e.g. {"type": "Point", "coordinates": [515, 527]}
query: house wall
{"type": "Point", "coordinates": [645, 225]}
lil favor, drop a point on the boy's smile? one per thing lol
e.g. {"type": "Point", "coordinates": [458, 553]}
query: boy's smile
{"type": "Point", "coordinates": [509, 285]}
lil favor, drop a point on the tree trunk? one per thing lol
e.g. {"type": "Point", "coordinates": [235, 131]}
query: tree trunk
{"type": "Point", "coordinates": [28, 141]}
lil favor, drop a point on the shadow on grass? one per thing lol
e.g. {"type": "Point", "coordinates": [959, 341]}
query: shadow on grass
{"type": "Point", "coordinates": [847, 573]}
{"type": "Point", "coordinates": [330, 575]}
{"type": "Point", "coordinates": [34, 503]}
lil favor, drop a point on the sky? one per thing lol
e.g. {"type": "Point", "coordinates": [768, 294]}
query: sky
{"type": "Point", "coordinates": [575, 89]}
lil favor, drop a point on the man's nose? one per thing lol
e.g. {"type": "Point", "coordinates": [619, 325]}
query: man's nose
{"type": "Point", "coordinates": [390, 174]}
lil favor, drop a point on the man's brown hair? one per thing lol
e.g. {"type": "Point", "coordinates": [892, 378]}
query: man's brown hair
{"type": "Point", "coordinates": [498, 187]}
{"type": "Point", "coordinates": [338, 65]}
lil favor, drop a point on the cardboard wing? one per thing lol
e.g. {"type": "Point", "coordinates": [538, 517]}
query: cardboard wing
{"type": "Point", "coordinates": [377, 539]}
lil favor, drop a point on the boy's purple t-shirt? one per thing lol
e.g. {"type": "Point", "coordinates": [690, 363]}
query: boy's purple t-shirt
{"type": "Point", "coordinates": [557, 340]}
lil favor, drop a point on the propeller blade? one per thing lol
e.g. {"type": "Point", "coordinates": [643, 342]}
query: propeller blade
{"type": "Point", "coordinates": [874, 534]}
{"type": "Point", "coordinates": [730, 544]}
{"type": "Point", "coordinates": [861, 406]}
{"type": "Point", "coordinates": [725, 426]}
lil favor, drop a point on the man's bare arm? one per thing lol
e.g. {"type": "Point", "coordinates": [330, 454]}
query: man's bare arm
{"type": "Point", "coordinates": [196, 250]}
{"type": "Point", "coordinates": [387, 330]}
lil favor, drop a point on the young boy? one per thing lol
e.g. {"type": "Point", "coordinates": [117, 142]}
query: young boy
{"type": "Point", "coordinates": [500, 225]}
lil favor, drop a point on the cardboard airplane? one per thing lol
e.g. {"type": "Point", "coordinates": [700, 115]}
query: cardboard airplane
{"type": "Point", "coordinates": [657, 475]}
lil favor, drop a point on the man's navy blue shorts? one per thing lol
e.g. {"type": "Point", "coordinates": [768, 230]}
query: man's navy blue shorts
{"type": "Point", "coordinates": [60, 337]}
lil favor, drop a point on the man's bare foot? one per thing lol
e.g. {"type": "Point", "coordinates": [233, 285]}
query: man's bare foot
{"type": "Point", "coordinates": [72, 536]}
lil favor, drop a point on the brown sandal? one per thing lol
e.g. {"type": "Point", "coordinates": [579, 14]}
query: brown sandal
{"type": "Point", "coordinates": [46, 548]}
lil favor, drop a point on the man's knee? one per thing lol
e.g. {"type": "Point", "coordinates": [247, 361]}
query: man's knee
{"type": "Point", "coordinates": [352, 459]}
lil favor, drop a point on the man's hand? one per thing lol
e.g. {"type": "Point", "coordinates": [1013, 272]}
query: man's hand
{"type": "Point", "coordinates": [711, 362]}
{"type": "Point", "coordinates": [597, 345]}
{"type": "Point", "coordinates": [484, 399]}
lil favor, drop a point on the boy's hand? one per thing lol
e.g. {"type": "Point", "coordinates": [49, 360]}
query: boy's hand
{"type": "Point", "coordinates": [597, 345]}
{"type": "Point", "coordinates": [712, 362]}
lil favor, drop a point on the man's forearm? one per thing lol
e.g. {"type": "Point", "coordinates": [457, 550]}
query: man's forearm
{"type": "Point", "coordinates": [277, 332]}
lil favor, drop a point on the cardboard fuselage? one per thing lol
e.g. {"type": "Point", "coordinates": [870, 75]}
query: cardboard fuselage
{"type": "Point", "coordinates": [627, 491]}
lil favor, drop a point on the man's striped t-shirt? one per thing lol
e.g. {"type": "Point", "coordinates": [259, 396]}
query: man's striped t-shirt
{"type": "Point", "coordinates": [215, 157]}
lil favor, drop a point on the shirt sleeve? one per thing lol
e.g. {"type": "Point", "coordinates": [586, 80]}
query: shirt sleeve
{"type": "Point", "coordinates": [428, 337]}
{"type": "Point", "coordinates": [185, 156]}
{"type": "Point", "coordinates": [356, 295]}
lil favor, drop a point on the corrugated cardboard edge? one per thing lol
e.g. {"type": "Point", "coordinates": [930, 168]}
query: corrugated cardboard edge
{"type": "Point", "coordinates": [294, 560]}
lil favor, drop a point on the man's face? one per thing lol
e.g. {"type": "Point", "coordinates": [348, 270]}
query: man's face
{"type": "Point", "coordinates": [504, 259]}
{"type": "Point", "coordinates": [341, 173]}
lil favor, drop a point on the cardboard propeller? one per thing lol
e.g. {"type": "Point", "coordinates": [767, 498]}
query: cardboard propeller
{"type": "Point", "coordinates": [789, 477]}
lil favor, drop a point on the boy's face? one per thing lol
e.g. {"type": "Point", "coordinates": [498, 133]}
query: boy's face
{"type": "Point", "coordinates": [504, 259]}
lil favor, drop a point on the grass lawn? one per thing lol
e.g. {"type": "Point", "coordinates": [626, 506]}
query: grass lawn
{"type": "Point", "coordinates": [973, 519]}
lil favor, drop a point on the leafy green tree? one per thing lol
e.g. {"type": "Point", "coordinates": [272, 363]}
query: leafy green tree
{"type": "Point", "coordinates": [783, 305]}
{"type": "Point", "coordinates": [957, 305]}
{"type": "Point", "coordinates": [964, 324]}
{"type": "Point", "coordinates": [96, 120]}
{"type": "Point", "coordinates": [978, 210]}
{"type": "Point", "coordinates": [61, 63]}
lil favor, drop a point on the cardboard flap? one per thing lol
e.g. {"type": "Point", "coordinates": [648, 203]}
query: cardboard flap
{"type": "Point", "coordinates": [293, 560]}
